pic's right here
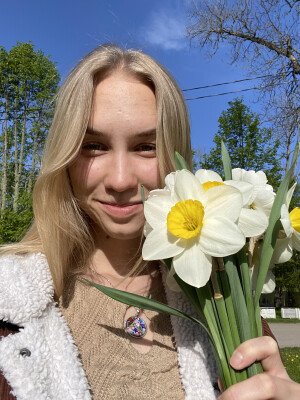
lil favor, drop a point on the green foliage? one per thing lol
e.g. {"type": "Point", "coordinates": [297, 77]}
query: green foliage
{"type": "Point", "coordinates": [287, 275]}
{"type": "Point", "coordinates": [250, 147]}
{"type": "Point", "coordinates": [28, 84]}
{"type": "Point", "coordinates": [14, 224]}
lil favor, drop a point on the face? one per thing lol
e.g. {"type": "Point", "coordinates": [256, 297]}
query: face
{"type": "Point", "coordinates": [118, 155]}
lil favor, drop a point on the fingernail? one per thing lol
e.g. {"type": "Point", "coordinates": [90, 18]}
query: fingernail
{"type": "Point", "coordinates": [236, 358]}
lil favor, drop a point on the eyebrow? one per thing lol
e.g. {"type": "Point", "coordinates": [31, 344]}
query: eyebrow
{"type": "Point", "coordinates": [148, 133]}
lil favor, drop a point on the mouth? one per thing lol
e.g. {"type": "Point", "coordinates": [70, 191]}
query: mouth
{"type": "Point", "coordinates": [121, 210]}
{"type": "Point", "coordinates": [115, 204]}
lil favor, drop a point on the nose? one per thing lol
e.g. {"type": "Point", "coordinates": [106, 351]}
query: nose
{"type": "Point", "coordinates": [121, 174]}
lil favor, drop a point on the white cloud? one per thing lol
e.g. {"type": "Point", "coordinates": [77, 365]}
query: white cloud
{"type": "Point", "coordinates": [166, 31]}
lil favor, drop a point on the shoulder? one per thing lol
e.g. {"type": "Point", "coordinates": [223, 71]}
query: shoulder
{"type": "Point", "coordinates": [26, 286]}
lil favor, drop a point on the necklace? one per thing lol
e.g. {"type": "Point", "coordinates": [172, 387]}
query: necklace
{"type": "Point", "coordinates": [135, 326]}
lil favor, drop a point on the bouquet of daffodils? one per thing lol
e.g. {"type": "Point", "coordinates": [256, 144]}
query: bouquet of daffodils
{"type": "Point", "coordinates": [219, 240]}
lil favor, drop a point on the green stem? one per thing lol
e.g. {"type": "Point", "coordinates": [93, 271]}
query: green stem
{"type": "Point", "coordinates": [229, 308]}
{"type": "Point", "coordinates": [205, 301]}
{"type": "Point", "coordinates": [231, 320]}
{"type": "Point", "coordinates": [225, 332]}
{"type": "Point", "coordinates": [244, 270]}
{"type": "Point", "coordinates": [240, 308]}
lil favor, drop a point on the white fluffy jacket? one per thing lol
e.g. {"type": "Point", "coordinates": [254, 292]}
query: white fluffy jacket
{"type": "Point", "coordinates": [41, 361]}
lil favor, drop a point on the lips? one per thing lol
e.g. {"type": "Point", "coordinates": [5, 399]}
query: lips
{"type": "Point", "coordinates": [121, 210]}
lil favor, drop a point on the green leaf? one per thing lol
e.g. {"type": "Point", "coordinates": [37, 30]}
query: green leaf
{"type": "Point", "coordinates": [145, 303]}
{"type": "Point", "coordinates": [180, 162]}
{"type": "Point", "coordinates": [226, 162]}
{"type": "Point", "coordinates": [295, 155]}
{"type": "Point", "coordinates": [143, 194]}
{"type": "Point", "coordinates": [273, 229]}
{"type": "Point", "coordinates": [240, 308]}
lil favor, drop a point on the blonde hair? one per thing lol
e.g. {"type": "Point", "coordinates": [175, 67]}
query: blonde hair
{"type": "Point", "coordinates": [60, 230]}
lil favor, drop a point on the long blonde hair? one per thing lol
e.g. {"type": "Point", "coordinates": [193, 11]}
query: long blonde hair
{"type": "Point", "coordinates": [60, 230]}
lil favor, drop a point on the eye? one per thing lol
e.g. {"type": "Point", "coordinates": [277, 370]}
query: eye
{"type": "Point", "coordinates": [147, 148]}
{"type": "Point", "coordinates": [93, 148]}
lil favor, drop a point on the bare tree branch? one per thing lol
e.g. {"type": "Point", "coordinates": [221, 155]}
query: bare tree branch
{"type": "Point", "coordinates": [264, 34]}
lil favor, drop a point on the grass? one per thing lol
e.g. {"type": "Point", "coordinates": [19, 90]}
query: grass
{"type": "Point", "coordinates": [291, 360]}
{"type": "Point", "coordinates": [283, 320]}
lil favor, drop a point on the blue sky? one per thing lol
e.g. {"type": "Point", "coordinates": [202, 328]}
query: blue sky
{"type": "Point", "coordinates": [68, 29]}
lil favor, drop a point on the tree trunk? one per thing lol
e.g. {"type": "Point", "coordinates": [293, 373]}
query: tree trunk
{"type": "Point", "coordinates": [19, 163]}
{"type": "Point", "coordinates": [4, 161]}
{"type": "Point", "coordinates": [34, 154]}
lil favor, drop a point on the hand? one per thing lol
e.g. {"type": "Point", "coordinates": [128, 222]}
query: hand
{"type": "Point", "coordinates": [273, 384]}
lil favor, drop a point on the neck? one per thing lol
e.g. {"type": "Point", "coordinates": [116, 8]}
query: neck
{"type": "Point", "coordinates": [115, 257]}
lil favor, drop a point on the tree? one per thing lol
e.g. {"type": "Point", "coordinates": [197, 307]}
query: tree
{"type": "Point", "coordinates": [287, 277]}
{"type": "Point", "coordinates": [28, 82]}
{"type": "Point", "coordinates": [249, 145]}
{"type": "Point", "coordinates": [264, 34]}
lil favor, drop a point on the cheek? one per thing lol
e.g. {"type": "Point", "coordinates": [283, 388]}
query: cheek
{"type": "Point", "coordinates": [82, 175]}
{"type": "Point", "coordinates": [149, 176]}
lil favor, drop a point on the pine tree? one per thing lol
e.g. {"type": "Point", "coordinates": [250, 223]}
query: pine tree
{"type": "Point", "coordinates": [250, 146]}
{"type": "Point", "coordinates": [28, 83]}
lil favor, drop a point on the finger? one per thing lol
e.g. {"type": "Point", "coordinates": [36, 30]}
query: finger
{"type": "Point", "coordinates": [263, 349]}
{"type": "Point", "coordinates": [263, 387]}
{"type": "Point", "coordinates": [220, 384]}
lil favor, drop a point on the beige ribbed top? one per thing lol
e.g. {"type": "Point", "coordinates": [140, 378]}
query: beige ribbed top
{"type": "Point", "coordinates": [114, 368]}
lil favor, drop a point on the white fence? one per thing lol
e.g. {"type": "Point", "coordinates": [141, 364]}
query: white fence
{"type": "Point", "coordinates": [290, 313]}
{"type": "Point", "coordinates": [269, 312]}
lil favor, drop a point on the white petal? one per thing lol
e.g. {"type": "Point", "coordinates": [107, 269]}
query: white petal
{"type": "Point", "coordinates": [192, 266]}
{"type": "Point", "coordinates": [156, 210]}
{"type": "Point", "coordinates": [160, 244]}
{"type": "Point", "coordinates": [237, 174]}
{"type": "Point", "coordinates": [269, 188]}
{"type": "Point", "coordinates": [245, 188]}
{"type": "Point", "coordinates": [170, 181]}
{"type": "Point", "coordinates": [206, 175]}
{"type": "Point", "coordinates": [296, 240]}
{"type": "Point", "coordinates": [286, 221]}
{"type": "Point", "coordinates": [220, 237]}
{"type": "Point", "coordinates": [283, 251]}
{"type": "Point", "coordinates": [261, 178]}
{"type": "Point", "coordinates": [187, 186]}
{"type": "Point", "coordinates": [289, 195]}
{"type": "Point", "coordinates": [223, 201]}
{"type": "Point", "coordinates": [252, 222]}
{"type": "Point", "coordinates": [255, 178]}
{"type": "Point", "coordinates": [264, 200]}
{"type": "Point", "coordinates": [158, 192]}
{"type": "Point", "coordinates": [171, 282]}
{"type": "Point", "coordinates": [269, 285]}
{"type": "Point", "coordinates": [147, 229]}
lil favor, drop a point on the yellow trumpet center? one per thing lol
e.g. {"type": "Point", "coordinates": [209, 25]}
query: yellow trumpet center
{"type": "Point", "coordinates": [295, 219]}
{"type": "Point", "coordinates": [209, 184]}
{"type": "Point", "coordinates": [185, 219]}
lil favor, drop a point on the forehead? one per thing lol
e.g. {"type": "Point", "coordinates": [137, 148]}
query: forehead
{"type": "Point", "coordinates": [123, 104]}
{"type": "Point", "coordinates": [121, 92]}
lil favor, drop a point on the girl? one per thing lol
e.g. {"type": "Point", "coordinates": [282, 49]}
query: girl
{"type": "Point", "coordinates": [119, 119]}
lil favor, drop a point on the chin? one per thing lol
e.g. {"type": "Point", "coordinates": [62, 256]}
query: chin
{"type": "Point", "coordinates": [119, 232]}
{"type": "Point", "coordinates": [124, 235]}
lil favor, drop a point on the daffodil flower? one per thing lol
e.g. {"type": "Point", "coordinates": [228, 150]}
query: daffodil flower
{"type": "Point", "coordinates": [263, 195]}
{"type": "Point", "coordinates": [269, 285]}
{"type": "Point", "coordinates": [192, 226]}
{"type": "Point", "coordinates": [253, 221]}
{"type": "Point", "coordinates": [288, 239]}
{"type": "Point", "coordinates": [291, 222]}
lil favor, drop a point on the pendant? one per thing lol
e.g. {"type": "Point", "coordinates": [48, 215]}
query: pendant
{"type": "Point", "coordinates": [135, 326]}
